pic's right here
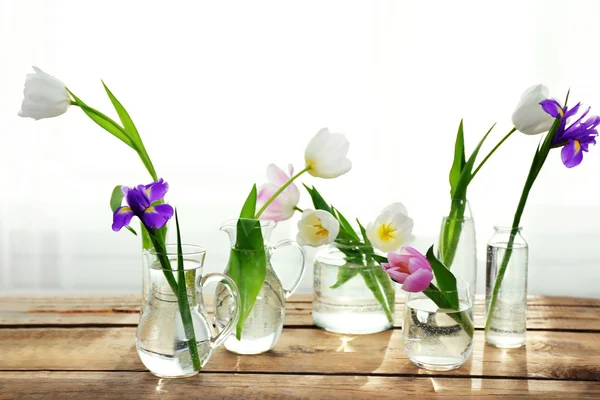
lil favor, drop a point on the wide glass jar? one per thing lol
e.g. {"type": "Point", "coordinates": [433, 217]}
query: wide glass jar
{"type": "Point", "coordinates": [506, 288]}
{"type": "Point", "coordinates": [352, 293]}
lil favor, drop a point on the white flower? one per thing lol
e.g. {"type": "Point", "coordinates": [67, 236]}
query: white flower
{"type": "Point", "coordinates": [529, 117]}
{"type": "Point", "coordinates": [326, 155]}
{"type": "Point", "coordinates": [44, 96]}
{"type": "Point", "coordinates": [391, 229]}
{"type": "Point", "coordinates": [317, 228]}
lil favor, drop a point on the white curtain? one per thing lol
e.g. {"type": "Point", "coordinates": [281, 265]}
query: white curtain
{"type": "Point", "coordinates": [220, 89]}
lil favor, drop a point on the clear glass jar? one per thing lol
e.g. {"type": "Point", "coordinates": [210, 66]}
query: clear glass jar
{"type": "Point", "coordinates": [457, 247]}
{"type": "Point", "coordinates": [434, 338]}
{"type": "Point", "coordinates": [264, 324]}
{"type": "Point", "coordinates": [163, 342]}
{"type": "Point", "coordinates": [352, 294]}
{"type": "Point", "coordinates": [506, 323]}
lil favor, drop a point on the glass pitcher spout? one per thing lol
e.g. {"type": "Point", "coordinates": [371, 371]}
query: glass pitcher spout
{"type": "Point", "coordinates": [230, 228]}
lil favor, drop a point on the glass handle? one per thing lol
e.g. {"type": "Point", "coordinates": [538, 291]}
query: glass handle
{"type": "Point", "coordinates": [285, 243]}
{"type": "Point", "coordinates": [218, 340]}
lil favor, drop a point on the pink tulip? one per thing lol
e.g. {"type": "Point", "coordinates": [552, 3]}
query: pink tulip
{"type": "Point", "coordinates": [410, 268]}
{"type": "Point", "coordinates": [283, 207]}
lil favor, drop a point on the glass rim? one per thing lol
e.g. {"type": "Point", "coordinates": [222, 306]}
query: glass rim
{"type": "Point", "coordinates": [264, 223]}
{"type": "Point", "coordinates": [504, 228]}
{"type": "Point", "coordinates": [194, 250]}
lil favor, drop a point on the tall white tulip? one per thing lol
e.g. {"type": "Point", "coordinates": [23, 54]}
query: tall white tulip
{"type": "Point", "coordinates": [317, 228]}
{"type": "Point", "coordinates": [529, 117]}
{"type": "Point", "coordinates": [391, 228]}
{"type": "Point", "coordinates": [326, 155]}
{"type": "Point", "coordinates": [44, 96]}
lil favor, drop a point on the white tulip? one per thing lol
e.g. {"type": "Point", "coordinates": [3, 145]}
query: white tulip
{"type": "Point", "coordinates": [529, 116]}
{"type": "Point", "coordinates": [44, 96]}
{"type": "Point", "coordinates": [326, 155]}
{"type": "Point", "coordinates": [317, 228]}
{"type": "Point", "coordinates": [391, 229]}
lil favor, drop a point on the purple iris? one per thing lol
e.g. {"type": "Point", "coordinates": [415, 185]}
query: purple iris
{"type": "Point", "coordinates": [141, 202]}
{"type": "Point", "coordinates": [575, 138]}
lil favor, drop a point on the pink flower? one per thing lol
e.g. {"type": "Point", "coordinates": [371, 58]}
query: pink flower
{"type": "Point", "coordinates": [283, 207]}
{"type": "Point", "coordinates": [410, 268]}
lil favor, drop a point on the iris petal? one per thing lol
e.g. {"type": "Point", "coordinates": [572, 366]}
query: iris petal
{"type": "Point", "coordinates": [157, 216]}
{"type": "Point", "coordinates": [571, 154]}
{"type": "Point", "coordinates": [552, 107]}
{"type": "Point", "coordinates": [121, 217]}
{"type": "Point", "coordinates": [156, 190]}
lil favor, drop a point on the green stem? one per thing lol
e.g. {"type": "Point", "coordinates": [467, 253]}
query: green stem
{"type": "Point", "coordinates": [279, 191]}
{"type": "Point", "coordinates": [298, 209]}
{"type": "Point", "coordinates": [182, 300]}
{"type": "Point", "coordinates": [513, 130]}
{"type": "Point", "coordinates": [451, 231]}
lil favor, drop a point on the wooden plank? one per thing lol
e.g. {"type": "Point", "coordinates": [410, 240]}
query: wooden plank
{"type": "Point", "coordinates": [132, 385]}
{"type": "Point", "coordinates": [550, 355]}
{"type": "Point", "coordinates": [543, 312]}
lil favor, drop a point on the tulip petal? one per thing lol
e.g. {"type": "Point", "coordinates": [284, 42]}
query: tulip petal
{"type": "Point", "coordinates": [397, 276]}
{"type": "Point", "coordinates": [121, 217]}
{"type": "Point", "coordinates": [276, 176]}
{"type": "Point", "coordinates": [418, 281]}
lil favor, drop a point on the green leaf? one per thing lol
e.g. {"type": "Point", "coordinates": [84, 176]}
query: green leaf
{"type": "Point", "coordinates": [379, 283]}
{"type": "Point", "coordinates": [345, 225]}
{"type": "Point", "coordinates": [126, 120]}
{"type": "Point", "coordinates": [459, 159]}
{"type": "Point", "coordinates": [130, 229]}
{"type": "Point", "coordinates": [317, 199]}
{"type": "Point", "coordinates": [460, 191]}
{"type": "Point", "coordinates": [104, 122]}
{"type": "Point", "coordinates": [363, 232]}
{"type": "Point", "coordinates": [248, 266]}
{"type": "Point", "coordinates": [344, 275]}
{"type": "Point", "coordinates": [445, 279]}
{"type": "Point", "coordinates": [379, 259]}
{"type": "Point", "coordinates": [116, 198]}
{"type": "Point", "coordinates": [249, 207]}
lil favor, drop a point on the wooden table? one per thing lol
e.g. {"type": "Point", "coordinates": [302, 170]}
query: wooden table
{"type": "Point", "coordinates": [84, 348]}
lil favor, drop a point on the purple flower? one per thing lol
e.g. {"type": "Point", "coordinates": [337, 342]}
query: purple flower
{"type": "Point", "coordinates": [141, 202]}
{"type": "Point", "coordinates": [576, 138]}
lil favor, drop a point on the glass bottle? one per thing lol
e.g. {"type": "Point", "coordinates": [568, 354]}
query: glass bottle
{"type": "Point", "coordinates": [351, 293]}
{"type": "Point", "coordinates": [264, 324]}
{"type": "Point", "coordinates": [163, 342]}
{"type": "Point", "coordinates": [508, 316]}
{"type": "Point", "coordinates": [457, 247]}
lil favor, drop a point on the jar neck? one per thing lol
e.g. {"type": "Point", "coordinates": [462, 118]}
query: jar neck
{"type": "Point", "coordinates": [507, 229]}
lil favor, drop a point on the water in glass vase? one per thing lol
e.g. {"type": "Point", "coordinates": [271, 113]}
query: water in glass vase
{"type": "Point", "coordinates": [508, 325]}
{"type": "Point", "coordinates": [351, 307]}
{"type": "Point", "coordinates": [432, 338]}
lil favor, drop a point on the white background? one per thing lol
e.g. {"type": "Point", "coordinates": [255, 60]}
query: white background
{"type": "Point", "coordinates": [220, 89]}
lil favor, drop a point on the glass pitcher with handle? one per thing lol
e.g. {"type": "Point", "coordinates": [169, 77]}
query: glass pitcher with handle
{"type": "Point", "coordinates": [264, 324]}
{"type": "Point", "coordinates": [165, 344]}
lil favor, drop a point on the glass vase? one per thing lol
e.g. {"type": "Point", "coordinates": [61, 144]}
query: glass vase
{"type": "Point", "coordinates": [506, 304]}
{"type": "Point", "coordinates": [351, 293]}
{"type": "Point", "coordinates": [457, 247]}
{"type": "Point", "coordinates": [434, 338]}
{"type": "Point", "coordinates": [264, 324]}
{"type": "Point", "coordinates": [165, 345]}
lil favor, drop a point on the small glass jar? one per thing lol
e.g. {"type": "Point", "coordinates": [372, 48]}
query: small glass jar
{"type": "Point", "coordinates": [352, 294]}
{"type": "Point", "coordinates": [435, 338]}
{"type": "Point", "coordinates": [506, 305]}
